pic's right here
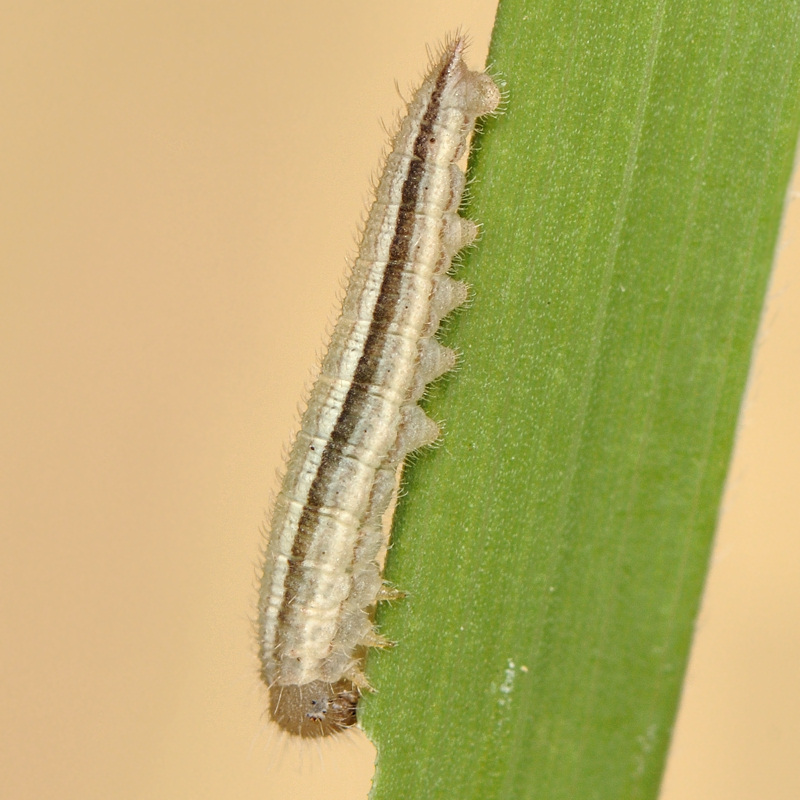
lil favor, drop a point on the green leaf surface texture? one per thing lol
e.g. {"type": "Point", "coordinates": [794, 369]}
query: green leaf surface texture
{"type": "Point", "coordinates": [553, 548]}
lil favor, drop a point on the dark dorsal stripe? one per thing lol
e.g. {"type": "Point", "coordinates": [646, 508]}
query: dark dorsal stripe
{"type": "Point", "coordinates": [374, 346]}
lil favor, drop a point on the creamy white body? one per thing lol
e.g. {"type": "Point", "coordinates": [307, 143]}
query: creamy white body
{"type": "Point", "coordinates": [321, 578]}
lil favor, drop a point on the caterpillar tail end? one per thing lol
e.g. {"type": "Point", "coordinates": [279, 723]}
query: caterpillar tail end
{"type": "Point", "coordinates": [314, 709]}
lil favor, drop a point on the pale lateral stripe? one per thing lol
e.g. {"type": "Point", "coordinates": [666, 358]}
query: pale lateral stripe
{"type": "Point", "coordinates": [321, 575]}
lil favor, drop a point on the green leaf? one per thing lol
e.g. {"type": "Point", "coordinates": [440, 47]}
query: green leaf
{"type": "Point", "coordinates": [554, 547]}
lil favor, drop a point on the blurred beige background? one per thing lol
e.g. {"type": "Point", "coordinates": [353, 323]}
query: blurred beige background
{"type": "Point", "coordinates": [180, 185]}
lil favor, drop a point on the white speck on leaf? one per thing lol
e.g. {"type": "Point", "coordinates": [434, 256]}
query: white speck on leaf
{"type": "Point", "coordinates": [507, 686]}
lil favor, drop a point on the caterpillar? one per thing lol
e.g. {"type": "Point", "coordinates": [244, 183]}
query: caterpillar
{"type": "Point", "coordinates": [321, 579]}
